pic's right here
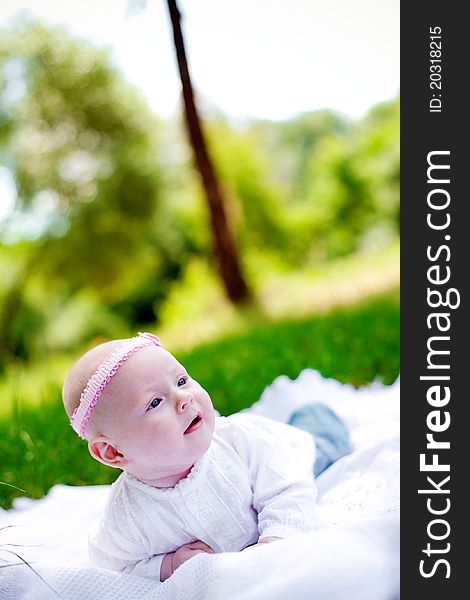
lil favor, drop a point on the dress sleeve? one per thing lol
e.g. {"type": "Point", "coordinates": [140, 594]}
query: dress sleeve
{"type": "Point", "coordinates": [115, 543]}
{"type": "Point", "coordinates": [101, 555]}
{"type": "Point", "coordinates": [280, 460]}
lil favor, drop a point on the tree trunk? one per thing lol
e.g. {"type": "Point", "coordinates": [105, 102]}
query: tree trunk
{"type": "Point", "coordinates": [223, 242]}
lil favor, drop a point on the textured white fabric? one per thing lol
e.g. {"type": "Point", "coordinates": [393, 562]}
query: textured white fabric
{"type": "Point", "coordinates": [353, 555]}
{"type": "Point", "coordinates": [254, 481]}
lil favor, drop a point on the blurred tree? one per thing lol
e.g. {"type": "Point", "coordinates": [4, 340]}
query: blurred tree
{"type": "Point", "coordinates": [258, 205]}
{"type": "Point", "coordinates": [295, 141]}
{"type": "Point", "coordinates": [378, 140]}
{"type": "Point", "coordinates": [353, 185]}
{"type": "Point", "coordinates": [82, 148]}
{"type": "Point", "coordinates": [225, 250]}
{"type": "Point", "coordinates": [109, 211]}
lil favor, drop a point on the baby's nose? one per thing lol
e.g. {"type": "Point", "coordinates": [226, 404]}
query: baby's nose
{"type": "Point", "coordinates": [183, 400]}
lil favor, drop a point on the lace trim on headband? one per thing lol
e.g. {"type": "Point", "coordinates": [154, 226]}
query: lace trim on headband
{"type": "Point", "coordinates": [103, 375]}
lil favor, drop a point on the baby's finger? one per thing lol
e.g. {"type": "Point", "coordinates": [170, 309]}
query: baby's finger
{"type": "Point", "coordinates": [200, 545]}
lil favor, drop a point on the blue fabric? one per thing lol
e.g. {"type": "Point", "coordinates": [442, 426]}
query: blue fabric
{"type": "Point", "coordinates": [330, 433]}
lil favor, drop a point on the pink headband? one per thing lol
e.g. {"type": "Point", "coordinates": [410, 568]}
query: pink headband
{"type": "Point", "coordinates": [105, 372]}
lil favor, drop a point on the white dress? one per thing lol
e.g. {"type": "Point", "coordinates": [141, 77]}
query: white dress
{"type": "Point", "coordinates": [254, 481]}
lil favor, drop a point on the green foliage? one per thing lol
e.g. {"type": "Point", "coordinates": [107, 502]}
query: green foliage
{"type": "Point", "coordinates": [83, 150]}
{"type": "Point", "coordinates": [313, 188]}
{"type": "Point", "coordinates": [356, 345]}
{"type": "Point", "coordinates": [109, 215]}
{"type": "Point", "coordinates": [354, 192]}
{"type": "Point", "coordinates": [80, 138]}
{"type": "Point", "coordinates": [256, 205]}
{"type": "Point", "coordinates": [295, 141]}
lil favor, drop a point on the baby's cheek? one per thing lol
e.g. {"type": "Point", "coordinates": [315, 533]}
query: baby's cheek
{"type": "Point", "coordinates": [211, 424]}
{"type": "Point", "coordinates": [148, 439]}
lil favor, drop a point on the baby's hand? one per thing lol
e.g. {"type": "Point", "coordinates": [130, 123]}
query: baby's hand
{"type": "Point", "coordinates": [173, 560]}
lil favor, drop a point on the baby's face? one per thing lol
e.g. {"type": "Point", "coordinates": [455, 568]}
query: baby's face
{"type": "Point", "coordinates": [162, 420]}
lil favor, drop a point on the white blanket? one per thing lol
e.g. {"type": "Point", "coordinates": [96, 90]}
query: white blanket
{"type": "Point", "coordinates": [353, 554]}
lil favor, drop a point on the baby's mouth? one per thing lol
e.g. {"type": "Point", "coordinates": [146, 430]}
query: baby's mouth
{"type": "Point", "coordinates": [194, 425]}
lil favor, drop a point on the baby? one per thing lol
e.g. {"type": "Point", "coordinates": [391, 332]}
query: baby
{"type": "Point", "coordinates": [192, 482]}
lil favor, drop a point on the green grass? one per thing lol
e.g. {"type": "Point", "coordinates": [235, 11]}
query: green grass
{"type": "Point", "coordinates": [354, 344]}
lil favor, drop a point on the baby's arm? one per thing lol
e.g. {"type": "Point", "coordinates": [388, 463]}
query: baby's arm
{"type": "Point", "coordinates": [280, 459]}
{"type": "Point", "coordinates": [158, 566]}
{"type": "Point", "coordinates": [173, 560]}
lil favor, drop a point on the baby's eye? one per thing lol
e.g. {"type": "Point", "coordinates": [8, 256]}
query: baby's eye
{"type": "Point", "coordinates": [155, 402]}
{"type": "Point", "coordinates": [182, 381]}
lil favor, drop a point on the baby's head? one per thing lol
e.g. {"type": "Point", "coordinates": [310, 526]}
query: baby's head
{"type": "Point", "coordinates": [139, 409]}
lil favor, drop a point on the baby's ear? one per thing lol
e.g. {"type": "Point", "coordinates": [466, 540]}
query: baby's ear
{"type": "Point", "coordinates": [103, 450]}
